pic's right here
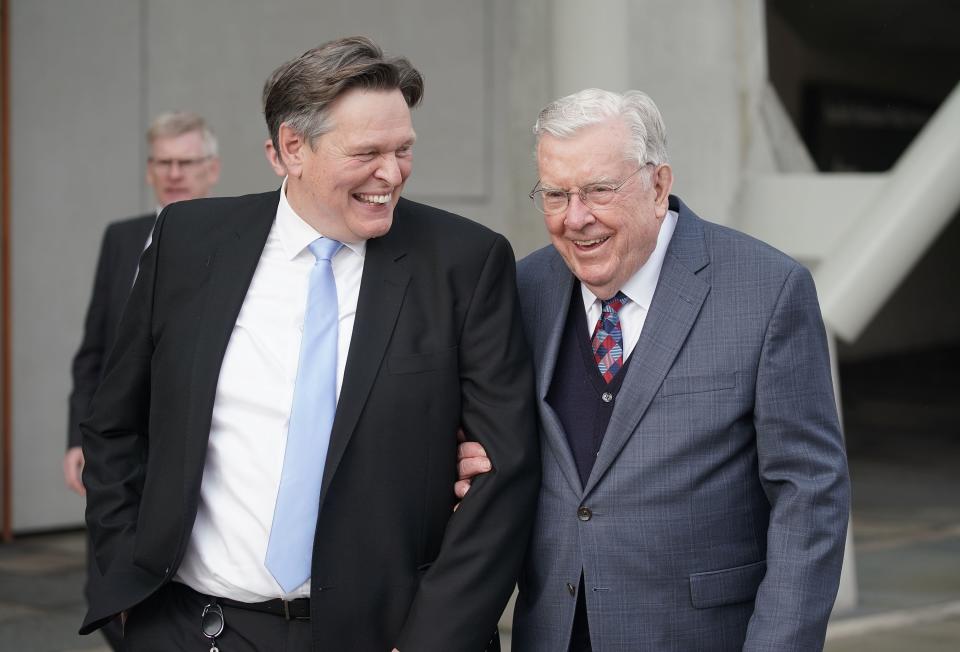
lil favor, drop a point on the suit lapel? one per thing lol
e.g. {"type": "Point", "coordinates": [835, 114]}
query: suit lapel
{"type": "Point", "coordinates": [132, 250]}
{"type": "Point", "coordinates": [676, 303]}
{"type": "Point", "coordinates": [382, 288]}
{"type": "Point", "coordinates": [554, 293]}
{"type": "Point", "coordinates": [233, 260]}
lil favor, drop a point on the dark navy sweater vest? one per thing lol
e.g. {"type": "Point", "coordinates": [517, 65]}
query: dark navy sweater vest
{"type": "Point", "coordinates": [578, 393]}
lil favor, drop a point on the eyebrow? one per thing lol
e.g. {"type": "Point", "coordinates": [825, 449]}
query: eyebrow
{"type": "Point", "coordinates": [600, 181]}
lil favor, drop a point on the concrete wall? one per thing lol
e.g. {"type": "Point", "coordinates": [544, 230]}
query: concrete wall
{"type": "Point", "coordinates": [76, 152]}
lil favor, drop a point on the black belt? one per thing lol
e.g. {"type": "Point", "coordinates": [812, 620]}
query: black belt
{"type": "Point", "coordinates": [298, 609]}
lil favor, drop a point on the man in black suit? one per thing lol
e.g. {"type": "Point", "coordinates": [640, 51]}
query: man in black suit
{"type": "Point", "coordinates": [183, 164]}
{"type": "Point", "coordinates": [199, 417]}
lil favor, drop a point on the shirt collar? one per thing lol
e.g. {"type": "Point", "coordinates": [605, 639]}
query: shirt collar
{"type": "Point", "coordinates": [295, 234]}
{"type": "Point", "coordinates": [641, 286]}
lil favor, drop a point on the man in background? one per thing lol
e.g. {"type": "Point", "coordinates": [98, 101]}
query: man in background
{"type": "Point", "coordinates": [182, 164]}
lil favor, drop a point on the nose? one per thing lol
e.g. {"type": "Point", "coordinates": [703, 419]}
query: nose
{"type": "Point", "coordinates": [578, 214]}
{"type": "Point", "coordinates": [176, 170]}
{"type": "Point", "coordinates": [389, 170]}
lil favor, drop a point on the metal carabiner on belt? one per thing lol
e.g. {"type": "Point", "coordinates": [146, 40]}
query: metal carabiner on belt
{"type": "Point", "coordinates": [212, 624]}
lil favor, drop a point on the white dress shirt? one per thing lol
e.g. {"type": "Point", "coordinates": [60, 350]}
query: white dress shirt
{"type": "Point", "coordinates": [251, 413]}
{"type": "Point", "coordinates": [639, 287]}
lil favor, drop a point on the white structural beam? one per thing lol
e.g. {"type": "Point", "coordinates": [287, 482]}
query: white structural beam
{"type": "Point", "coordinates": [804, 215]}
{"type": "Point", "coordinates": [895, 228]}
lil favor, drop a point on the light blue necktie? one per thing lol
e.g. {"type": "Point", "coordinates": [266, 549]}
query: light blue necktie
{"type": "Point", "coordinates": [290, 548]}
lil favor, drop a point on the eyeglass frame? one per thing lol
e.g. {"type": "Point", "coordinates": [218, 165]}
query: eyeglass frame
{"type": "Point", "coordinates": [581, 192]}
{"type": "Point", "coordinates": [186, 164]}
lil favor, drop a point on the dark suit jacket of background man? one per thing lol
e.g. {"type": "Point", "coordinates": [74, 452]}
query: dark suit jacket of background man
{"type": "Point", "coordinates": [437, 343]}
{"type": "Point", "coordinates": [120, 251]}
{"type": "Point", "coordinates": [719, 498]}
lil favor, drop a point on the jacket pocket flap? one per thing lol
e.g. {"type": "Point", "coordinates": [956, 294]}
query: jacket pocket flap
{"type": "Point", "coordinates": [419, 362]}
{"type": "Point", "coordinates": [696, 384]}
{"type": "Point", "coordinates": [727, 586]}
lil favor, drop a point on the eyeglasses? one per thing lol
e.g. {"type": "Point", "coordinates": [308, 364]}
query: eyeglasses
{"type": "Point", "coordinates": [187, 165]}
{"type": "Point", "coordinates": [552, 201]}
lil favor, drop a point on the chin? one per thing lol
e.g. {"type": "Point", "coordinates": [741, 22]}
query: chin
{"type": "Point", "coordinates": [379, 230]}
{"type": "Point", "coordinates": [374, 228]}
{"type": "Point", "coordinates": [592, 279]}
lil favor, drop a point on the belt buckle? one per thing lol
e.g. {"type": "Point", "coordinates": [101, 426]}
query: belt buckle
{"type": "Point", "coordinates": [286, 609]}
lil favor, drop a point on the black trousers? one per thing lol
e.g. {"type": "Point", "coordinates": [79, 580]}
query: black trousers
{"type": "Point", "coordinates": [112, 631]}
{"type": "Point", "coordinates": [580, 636]}
{"type": "Point", "coordinates": [169, 621]}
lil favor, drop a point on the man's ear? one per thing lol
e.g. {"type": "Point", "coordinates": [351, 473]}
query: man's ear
{"type": "Point", "coordinates": [214, 170]}
{"type": "Point", "coordinates": [662, 183]}
{"type": "Point", "coordinates": [293, 148]}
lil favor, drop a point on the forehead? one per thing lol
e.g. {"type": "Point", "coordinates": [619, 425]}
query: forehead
{"type": "Point", "coordinates": [188, 145]}
{"type": "Point", "coordinates": [592, 153]}
{"type": "Point", "coordinates": [375, 118]}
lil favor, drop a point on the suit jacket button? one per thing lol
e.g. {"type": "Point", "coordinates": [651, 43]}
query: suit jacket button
{"type": "Point", "coordinates": [584, 514]}
{"type": "Point", "coordinates": [606, 397]}
{"type": "Point", "coordinates": [571, 589]}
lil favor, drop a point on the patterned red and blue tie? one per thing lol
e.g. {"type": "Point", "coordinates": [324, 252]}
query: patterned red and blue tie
{"type": "Point", "coordinates": [608, 337]}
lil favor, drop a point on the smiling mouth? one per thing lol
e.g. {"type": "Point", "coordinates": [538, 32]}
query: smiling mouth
{"type": "Point", "coordinates": [373, 200]}
{"type": "Point", "coordinates": [587, 245]}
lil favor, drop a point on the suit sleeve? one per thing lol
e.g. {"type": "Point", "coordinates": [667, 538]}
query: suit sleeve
{"type": "Point", "coordinates": [89, 358]}
{"type": "Point", "coordinates": [463, 594]}
{"type": "Point", "coordinates": [803, 471]}
{"type": "Point", "coordinates": [115, 433]}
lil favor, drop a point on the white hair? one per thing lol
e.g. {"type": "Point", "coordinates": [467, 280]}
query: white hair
{"type": "Point", "coordinates": [176, 123]}
{"type": "Point", "coordinates": [563, 118]}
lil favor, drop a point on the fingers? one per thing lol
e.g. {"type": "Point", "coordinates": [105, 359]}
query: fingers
{"type": "Point", "coordinates": [472, 460]}
{"type": "Point", "coordinates": [460, 488]}
{"type": "Point", "coordinates": [72, 470]}
{"type": "Point", "coordinates": [470, 467]}
{"type": "Point", "coordinates": [470, 449]}
{"type": "Point", "coordinates": [461, 435]}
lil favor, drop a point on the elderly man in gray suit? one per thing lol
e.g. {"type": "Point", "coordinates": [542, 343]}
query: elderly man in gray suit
{"type": "Point", "coordinates": [695, 493]}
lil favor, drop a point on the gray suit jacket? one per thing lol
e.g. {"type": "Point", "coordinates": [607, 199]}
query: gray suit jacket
{"type": "Point", "coordinates": [720, 496]}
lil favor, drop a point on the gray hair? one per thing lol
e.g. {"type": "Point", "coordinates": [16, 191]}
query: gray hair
{"type": "Point", "coordinates": [176, 123]}
{"type": "Point", "coordinates": [300, 92]}
{"type": "Point", "coordinates": [563, 118]}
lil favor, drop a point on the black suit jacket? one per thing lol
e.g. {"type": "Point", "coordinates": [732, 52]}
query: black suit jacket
{"type": "Point", "coordinates": [119, 254]}
{"type": "Point", "coordinates": [437, 343]}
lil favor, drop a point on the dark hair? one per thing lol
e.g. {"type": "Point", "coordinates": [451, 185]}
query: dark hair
{"type": "Point", "coordinates": [300, 92]}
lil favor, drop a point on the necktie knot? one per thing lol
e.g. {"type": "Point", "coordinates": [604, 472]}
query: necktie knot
{"type": "Point", "coordinates": [324, 248]}
{"type": "Point", "coordinates": [614, 304]}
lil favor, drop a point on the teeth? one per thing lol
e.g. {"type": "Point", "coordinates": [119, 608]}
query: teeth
{"type": "Point", "coordinates": [374, 199]}
{"type": "Point", "coordinates": [587, 243]}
